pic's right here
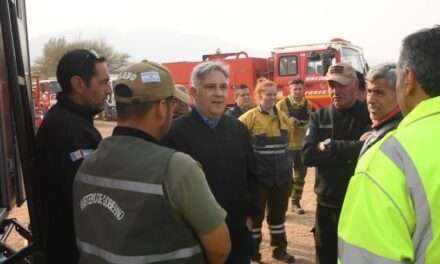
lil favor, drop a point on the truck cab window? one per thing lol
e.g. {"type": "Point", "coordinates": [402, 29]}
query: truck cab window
{"type": "Point", "coordinates": [352, 57]}
{"type": "Point", "coordinates": [315, 67]}
{"type": "Point", "coordinates": [288, 65]}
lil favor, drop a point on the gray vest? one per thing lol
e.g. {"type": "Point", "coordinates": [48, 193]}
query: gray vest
{"type": "Point", "coordinates": [122, 214]}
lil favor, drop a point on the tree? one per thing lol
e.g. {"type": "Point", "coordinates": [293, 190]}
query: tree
{"type": "Point", "coordinates": [55, 48]}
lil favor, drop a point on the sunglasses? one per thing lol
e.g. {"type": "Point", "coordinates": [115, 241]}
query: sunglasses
{"type": "Point", "coordinates": [91, 54]}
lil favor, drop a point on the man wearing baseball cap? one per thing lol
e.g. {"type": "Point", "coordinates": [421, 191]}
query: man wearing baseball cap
{"type": "Point", "coordinates": [332, 145]}
{"type": "Point", "coordinates": [183, 101]}
{"type": "Point", "coordinates": [138, 202]}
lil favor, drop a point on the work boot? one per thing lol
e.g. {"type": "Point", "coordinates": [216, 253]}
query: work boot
{"type": "Point", "coordinates": [296, 208]}
{"type": "Point", "coordinates": [283, 256]}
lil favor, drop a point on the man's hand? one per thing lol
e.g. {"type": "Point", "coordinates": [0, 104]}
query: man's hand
{"type": "Point", "coordinates": [325, 145]}
{"type": "Point", "coordinates": [294, 120]}
{"type": "Point", "coordinates": [303, 123]}
{"type": "Point", "coordinates": [365, 136]}
{"type": "Point", "coordinates": [216, 244]}
{"type": "Point", "coordinates": [297, 122]}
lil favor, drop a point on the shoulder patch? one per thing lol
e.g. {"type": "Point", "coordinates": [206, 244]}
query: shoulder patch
{"type": "Point", "coordinates": [80, 154]}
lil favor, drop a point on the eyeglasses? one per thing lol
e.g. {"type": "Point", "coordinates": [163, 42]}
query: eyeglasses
{"type": "Point", "coordinates": [90, 54]}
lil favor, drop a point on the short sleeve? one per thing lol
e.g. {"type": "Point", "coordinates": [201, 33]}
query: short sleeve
{"type": "Point", "coordinates": [189, 194]}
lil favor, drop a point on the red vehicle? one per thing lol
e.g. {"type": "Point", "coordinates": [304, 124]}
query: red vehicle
{"type": "Point", "coordinates": [243, 70]}
{"type": "Point", "coordinates": [44, 96]}
{"type": "Point", "coordinates": [307, 62]}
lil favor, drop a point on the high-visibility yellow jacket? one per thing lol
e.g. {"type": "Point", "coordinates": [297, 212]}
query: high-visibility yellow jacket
{"type": "Point", "coordinates": [391, 212]}
{"type": "Point", "coordinates": [299, 113]}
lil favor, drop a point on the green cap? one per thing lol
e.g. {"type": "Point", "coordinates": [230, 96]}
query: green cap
{"type": "Point", "coordinates": [147, 82]}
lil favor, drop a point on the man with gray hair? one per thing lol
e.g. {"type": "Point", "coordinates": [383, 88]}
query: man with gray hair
{"type": "Point", "coordinates": [392, 207]}
{"type": "Point", "coordinates": [135, 201]}
{"type": "Point", "coordinates": [382, 103]}
{"type": "Point", "coordinates": [222, 145]}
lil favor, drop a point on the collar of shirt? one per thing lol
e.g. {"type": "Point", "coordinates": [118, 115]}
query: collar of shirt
{"type": "Point", "coordinates": [212, 123]}
{"type": "Point", "coordinates": [133, 132]}
{"type": "Point", "coordinates": [393, 113]}
{"type": "Point", "coordinates": [83, 111]}
{"type": "Point", "coordinates": [242, 110]}
{"type": "Point", "coordinates": [292, 101]}
{"type": "Point", "coordinates": [275, 111]}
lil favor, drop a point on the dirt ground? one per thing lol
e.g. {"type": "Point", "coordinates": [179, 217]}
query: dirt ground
{"type": "Point", "coordinates": [298, 227]}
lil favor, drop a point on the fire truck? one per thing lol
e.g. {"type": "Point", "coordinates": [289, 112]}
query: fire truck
{"type": "Point", "coordinates": [307, 62]}
{"type": "Point", "coordinates": [43, 96]}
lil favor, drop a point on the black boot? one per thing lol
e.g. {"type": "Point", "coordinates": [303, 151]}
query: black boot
{"type": "Point", "coordinates": [282, 255]}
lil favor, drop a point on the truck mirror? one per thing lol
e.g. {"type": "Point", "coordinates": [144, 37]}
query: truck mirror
{"type": "Point", "coordinates": [327, 58]}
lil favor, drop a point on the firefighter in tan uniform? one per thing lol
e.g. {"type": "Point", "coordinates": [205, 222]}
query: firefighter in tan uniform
{"type": "Point", "coordinates": [270, 131]}
{"type": "Point", "coordinates": [298, 109]}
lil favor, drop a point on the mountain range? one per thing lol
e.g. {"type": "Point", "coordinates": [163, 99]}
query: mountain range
{"type": "Point", "coordinates": [155, 45]}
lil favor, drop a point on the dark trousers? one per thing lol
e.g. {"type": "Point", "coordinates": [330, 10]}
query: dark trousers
{"type": "Point", "coordinates": [241, 246]}
{"type": "Point", "coordinates": [326, 234]}
{"type": "Point", "coordinates": [299, 174]}
{"type": "Point", "coordinates": [276, 200]}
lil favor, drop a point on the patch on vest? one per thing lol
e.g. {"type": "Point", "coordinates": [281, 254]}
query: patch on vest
{"type": "Point", "coordinates": [103, 200]}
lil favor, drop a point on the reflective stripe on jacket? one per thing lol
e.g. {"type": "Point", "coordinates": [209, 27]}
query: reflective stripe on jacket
{"type": "Point", "coordinates": [270, 140]}
{"type": "Point", "coordinates": [122, 214]}
{"type": "Point", "coordinates": [392, 207]}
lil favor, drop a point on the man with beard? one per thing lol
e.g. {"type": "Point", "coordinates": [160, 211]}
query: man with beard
{"type": "Point", "coordinates": [138, 202]}
{"type": "Point", "coordinates": [65, 137]}
{"type": "Point", "coordinates": [332, 145]}
{"type": "Point", "coordinates": [222, 145]}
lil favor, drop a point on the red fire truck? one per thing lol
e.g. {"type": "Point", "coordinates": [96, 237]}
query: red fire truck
{"type": "Point", "coordinates": [307, 62]}
{"type": "Point", "coordinates": [44, 96]}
